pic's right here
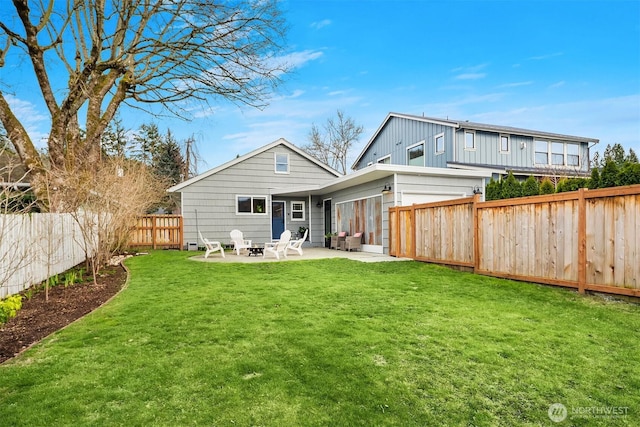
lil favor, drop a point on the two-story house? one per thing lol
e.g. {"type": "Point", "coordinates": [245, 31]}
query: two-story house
{"type": "Point", "coordinates": [405, 139]}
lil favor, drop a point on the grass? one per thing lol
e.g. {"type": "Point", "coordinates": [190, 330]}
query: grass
{"type": "Point", "coordinates": [328, 343]}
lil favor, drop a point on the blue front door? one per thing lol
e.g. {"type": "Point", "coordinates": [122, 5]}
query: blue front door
{"type": "Point", "coordinates": [277, 219]}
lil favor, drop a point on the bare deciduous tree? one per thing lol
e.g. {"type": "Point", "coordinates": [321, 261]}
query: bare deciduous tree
{"type": "Point", "coordinates": [332, 147]}
{"type": "Point", "coordinates": [138, 52]}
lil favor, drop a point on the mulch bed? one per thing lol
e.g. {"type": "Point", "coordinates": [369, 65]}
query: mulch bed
{"type": "Point", "coordinates": [39, 318]}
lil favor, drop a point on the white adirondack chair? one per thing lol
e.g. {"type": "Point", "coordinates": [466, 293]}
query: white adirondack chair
{"type": "Point", "coordinates": [211, 246]}
{"type": "Point", "coordinates": [296, 245]}
{"type": "Point", "coordinates": [279, 247]}
{"type": "Point", "coordinates": [239, 243]}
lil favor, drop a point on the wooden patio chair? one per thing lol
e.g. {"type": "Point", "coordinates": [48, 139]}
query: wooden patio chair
{"type": "Point", "coordinates": [238, 241]}
{"type": "Point", "coordinates": [279, 247]}
{"type": "Point", "coordinates": [211, 246]}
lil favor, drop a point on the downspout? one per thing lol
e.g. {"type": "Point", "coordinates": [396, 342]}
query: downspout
{"type": "Point", "coordinates": [310, 217]}
{"type": "Point", "coordinates": [395, 193]}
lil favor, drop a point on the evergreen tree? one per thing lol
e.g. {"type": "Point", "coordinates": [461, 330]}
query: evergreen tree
{"type": "Point", "coordinates": [629, 174]}
{"type": "Point", "coordinates": [615, 153]}
{"type": "Point", "coordinates": [511, 187]}
{"type": "Point", "coordinates": [547, 187]}
{"type": "Point", "coordinates": [147, 141]}
{"type": "Point", "coordinates": [168, 163]}
{"type": "Point", "coordinates": [115, 141]}
{"type": "Point", "coordinates": [594, 181]}
{"type": "Point", "coordinates": [530, 187]}
{"type": "Point", "coordinates": [609, 175]}
{"type": "Point", "coordinates": [494, 190]}
{"type": "Point", "coordinates": [632, 157]}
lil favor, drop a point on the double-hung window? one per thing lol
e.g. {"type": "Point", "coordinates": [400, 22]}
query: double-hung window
{"type": "Point", "coordinates": [415, 154]}
{"type": "Point", "coordinates": [251, 205]}
{"type": "Point", "coordinates": [297, 211]}
{"type": "Point", "coordinates": [573, 155]}
{"type": "Point", "coordinates": [557, 153]}
{"type": "Point", "coordinates": [542, 152]}
{"type": "Point", "coordinates": [281, 162]}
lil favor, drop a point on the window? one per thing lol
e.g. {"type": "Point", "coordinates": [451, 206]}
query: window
{"type": "Point", "coordinates": [251, 205]}
{"type": "Point", "coordinates": [557, 153]}
{"type": "Point", "coordinates": [282, 162]}
{"type": "Point", "coordinates": [415, 154]}
{"type": "Point", "coordinates": [573, 155]}
{"type": "Point", "coordinates": [505, 143]}
{"type": "Point", "coordinates": [297, 211]}
{"type": "Point", "coordinates": [385, 160]}
{"type": "Point", "coordinates": [542, 152]}
{"type": "Point", "coordinates": [439, 143]}
{"type": "Point", "coordinates": [469, 140]}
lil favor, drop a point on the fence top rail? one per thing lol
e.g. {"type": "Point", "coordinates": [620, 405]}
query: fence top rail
{"type": "Point", "coordinates": [626, 190]}
{"type": "Point", "coordinates": [452, 202]}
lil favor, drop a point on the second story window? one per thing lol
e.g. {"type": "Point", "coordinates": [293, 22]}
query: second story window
{"type": "Point", "coordinates": [415, 154]}
{"type": "Point", "coordinates": [504, 143]}
{"type": "Point", "coordinates": [281, 162]}
{"type": "Point", "coordinates": [557, 153]}
{"type": "Point", "coordinates": [385, 160]}
{"type": "Point", "coordinates": [469, 140]}
{"type": "Point", "coordinates": [439, 139]}
{"type": "Point", "coordinates": [542, 152]}
{"type": "Point", "coordinates": [573, 155]}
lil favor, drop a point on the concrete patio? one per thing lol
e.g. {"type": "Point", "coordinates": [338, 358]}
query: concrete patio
{"type": "Point", "coordinates": [308, 254]}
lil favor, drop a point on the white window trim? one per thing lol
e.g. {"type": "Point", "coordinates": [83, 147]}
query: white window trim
{"type": "Point", "coordinates": [470, 132]}
{"type": "Point", "coordinates": [435, 144]}
{"type": "Point", "coordinates": [304, 211]}
{"type": "Point", "coordinates": [388, 156]}
{"type": "Point", "coordinates": [275, 163]}
{"type": "Point", "coordinates": [266, 204]}
{"type": "Point", "coordinates": [424, 151]}
{"type": "Point", "coordinates": [565, 154]}
{"type": "Point", "coordinates": [508, 150]}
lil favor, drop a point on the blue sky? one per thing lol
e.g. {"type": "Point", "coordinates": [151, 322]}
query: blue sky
{"type": "Point", "coordinates": [569, 67]}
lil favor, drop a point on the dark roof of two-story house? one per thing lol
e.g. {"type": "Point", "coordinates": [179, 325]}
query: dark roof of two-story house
{"type": "Point", "coordinates": [425, 141]}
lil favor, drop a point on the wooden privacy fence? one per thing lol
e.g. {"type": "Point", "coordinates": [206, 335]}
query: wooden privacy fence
{"type": "Point", "coordinates": [158, 231]}
{"type": "Point", "coordinates": [587, 239]}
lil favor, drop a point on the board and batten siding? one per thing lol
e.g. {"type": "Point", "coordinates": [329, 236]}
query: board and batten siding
{"type": "Point", "coordinates": [214, 197]}
{"type": "Point", "coordinates": [400, 133]}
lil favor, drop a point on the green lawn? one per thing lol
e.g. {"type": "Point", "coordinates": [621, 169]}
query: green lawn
{"type": "Point", "coordinates": [330, 343]}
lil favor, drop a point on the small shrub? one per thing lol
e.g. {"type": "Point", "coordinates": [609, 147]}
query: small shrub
{"type": "Point", "coordinates": [571, 184]}
{"type": "Point", "coordinates": [9, 307]}
{"type": "Point", "coordinates": [530, 187]}
{"type": "Point", "coordinates": [511, 187]}
{"type": "Point", "coordinates": [547, 187]}
{"type": "Point", "coordinates": [494, 190]}
{"type": "Point", "coordinates": [70, 278]}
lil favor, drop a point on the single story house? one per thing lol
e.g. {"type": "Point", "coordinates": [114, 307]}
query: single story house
{"type": "Point", "coordinates": [279, 186]}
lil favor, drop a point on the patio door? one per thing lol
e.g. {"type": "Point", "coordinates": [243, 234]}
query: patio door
{"type": "Point", "coordinates": [277, 219]}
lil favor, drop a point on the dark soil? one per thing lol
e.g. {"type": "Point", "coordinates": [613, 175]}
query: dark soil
{"type": "Point", "coordinates": [39, 318]}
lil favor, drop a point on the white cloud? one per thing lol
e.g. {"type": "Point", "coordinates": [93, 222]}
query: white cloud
{"type": "Point", "coordinates": [299, 59]}
{"type": "Point", "coordinates": [516, 84]}
{"type": "Point", "coordinates": [543, 57]}
{"type": "Point", "coordinates": [320, 24]}
{"type": "Point", "coordinates": [470, 76]}
{"type": "Point", "coordinates": [31, 119]}
{"type": "Point", "coordinates": [557, 84]}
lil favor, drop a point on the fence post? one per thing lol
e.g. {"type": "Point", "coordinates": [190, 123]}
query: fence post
{"type": "Point", "coordinates": [582, 241]}
{"type": "Point", "coordinates": [153, 231]}
{"type": "Point", "coordinates": [412, 249]}
{"type": "Point", "coordinates": [476, 234]}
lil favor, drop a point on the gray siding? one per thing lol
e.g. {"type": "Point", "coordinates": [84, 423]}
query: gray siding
{"type": "Point", "coordinates": [214, 197]}
{"type": "Point", "coordinates": [400, 133]}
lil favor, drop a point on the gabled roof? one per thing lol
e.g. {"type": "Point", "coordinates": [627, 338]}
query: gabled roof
{"type": "Point", "coordinates": [260, 150]}
{"type": "Point", "coordinates": [465, 124]}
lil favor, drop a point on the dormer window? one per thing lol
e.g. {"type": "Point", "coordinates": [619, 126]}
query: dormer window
{"type": "Point", "coordinates": [282, 163]}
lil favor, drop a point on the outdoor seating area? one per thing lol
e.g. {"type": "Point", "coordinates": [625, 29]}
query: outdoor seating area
{"type": "Point", "coordinates": [343, 242]}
